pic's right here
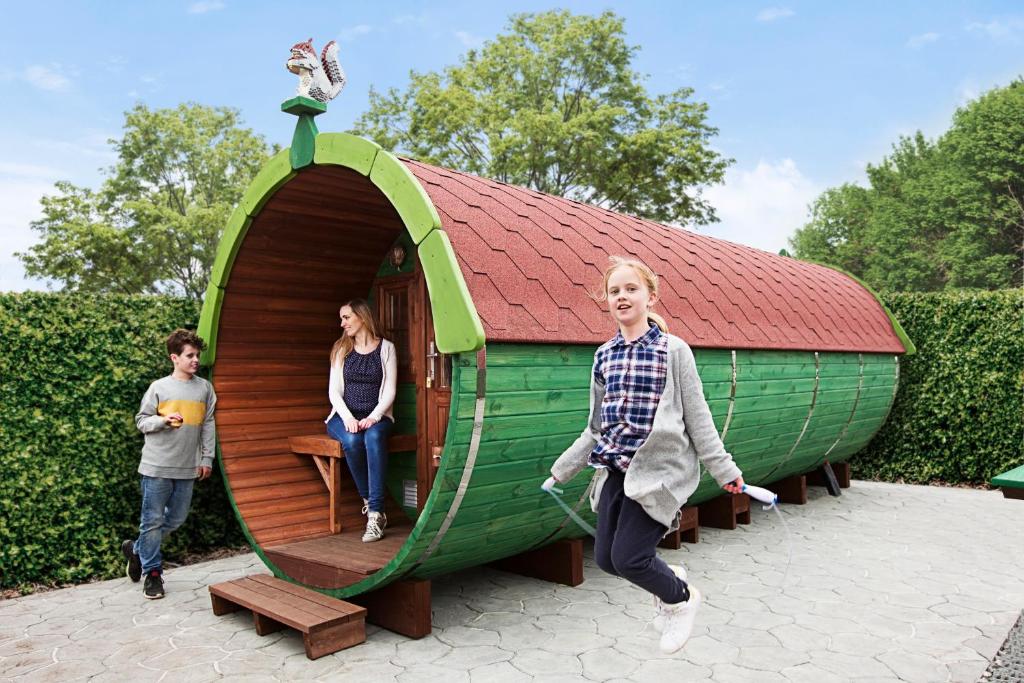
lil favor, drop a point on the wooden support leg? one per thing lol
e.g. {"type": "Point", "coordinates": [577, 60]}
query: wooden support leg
{"type": "Point", "coordinates": [842, 471]}
{"type": "Point", "coordinates": [335, 495]}
{"type": "Point", "coordinates": [688, 531]}
{"type": "Point", "coordinates": [559, 562]}
{"type": "Point", "coordinates": [826, 476]}
{"type": "Point", "coordinates": [402, 607]}
{"type": "Point", "coordinates": [689, 525]}
{"type": "Point", "coordinates": [265, 625]}
{"type": "Point", "coordinates": [725, 511]}
{"type": "Point", "coordinates": [1010, 492]}
{"type": "Point", "coordinates": [222, 606]}
{"type": "Point", "coordinates": [324, 641]}
{"type": "Point", "coordinates": [792, 489]}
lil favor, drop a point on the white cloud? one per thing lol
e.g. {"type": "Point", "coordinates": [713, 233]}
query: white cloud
{"type": "Point", "coordinates": [761, 207]}
{"type": "Point", "coordinates": [773, 13]}
{"type": "Point", "coordinates": [998, 30]}
{"type": "Point", "coordinates": [20, 199]}
{"type": "Point", "coordinates": [46, 77]}
{"type": "Point", "coordinates": [205, 6]}
{"type": "Point", "coordinates": [917, 42]}
{"type": "Point", "coordinates": [351, 33]}
{"type": "Point", "coordinates": [468, 39]}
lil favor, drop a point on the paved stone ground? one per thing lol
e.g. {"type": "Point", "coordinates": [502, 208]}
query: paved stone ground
{"type": "Point", "coordinates": [887, 582]}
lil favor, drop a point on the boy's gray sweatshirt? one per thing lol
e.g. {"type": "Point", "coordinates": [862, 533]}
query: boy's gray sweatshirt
{"type": "Point", "coordinates": [177, 452]}
{"type": "Point", "coordinates": [664, 471]}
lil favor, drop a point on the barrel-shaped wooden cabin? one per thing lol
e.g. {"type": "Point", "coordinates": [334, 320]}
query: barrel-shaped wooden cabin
{"type": "Point", "coordinates": [485, 289]}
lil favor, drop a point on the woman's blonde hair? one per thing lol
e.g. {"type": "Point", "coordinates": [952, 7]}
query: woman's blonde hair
{"type": "Point", "coordinates": [649, 277]}
{"type": "Point", "coordinates": [343, 346]}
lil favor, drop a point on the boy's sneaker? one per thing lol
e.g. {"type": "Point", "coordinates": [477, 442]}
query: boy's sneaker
{"type": "Point", "coordinates": [375, 527]}
{"type": "Point", "coordinates": [659, 621]}
{"type": "Point", "coordinates": [134, 567]}
{"type": "Point", "coordinates": [154, 586]}
{"type": "Point", "coordinates": [679, 622]}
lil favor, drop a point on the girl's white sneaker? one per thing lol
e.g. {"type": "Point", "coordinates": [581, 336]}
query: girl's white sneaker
{"type": "Point", "coordinates": [659, 621]}
{"type": "Point", "coordinates": [679, 622]}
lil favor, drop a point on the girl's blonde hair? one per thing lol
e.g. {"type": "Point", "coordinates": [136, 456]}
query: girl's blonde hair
{"type": "Point", "coordinates": [641, 269]}
{"type": "Point", "coordinates": [343, 346]}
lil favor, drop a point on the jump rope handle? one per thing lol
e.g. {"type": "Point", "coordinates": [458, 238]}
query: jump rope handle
{"type": "Point", "coordinates": [763, 495]}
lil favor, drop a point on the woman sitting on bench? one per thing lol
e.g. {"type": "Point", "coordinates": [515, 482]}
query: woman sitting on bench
{"type": "Point", "coordinates": [364, 370]}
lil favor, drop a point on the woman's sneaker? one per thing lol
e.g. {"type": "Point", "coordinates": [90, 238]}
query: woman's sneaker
{"type": "Point", "coordinates": [375, 527]}
{"type": "Point", "coordinates": [134, 567]}
{"type": "Point", "coordinates": [153, 589]}
{"type": "Point", "coordinates": [679, 622]}
{"type": "Point", "coordinates": [366, 507]}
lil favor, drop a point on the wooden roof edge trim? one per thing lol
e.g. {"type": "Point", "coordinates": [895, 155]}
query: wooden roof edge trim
{"type": "Point", "coordinates": [909, 348]}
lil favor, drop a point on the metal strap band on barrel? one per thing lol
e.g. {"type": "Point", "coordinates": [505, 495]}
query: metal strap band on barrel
{"type": "Point", "coordinates": [732, 398]}
{"type": "Point", "coordinates": [853, 411]}
{"type": "Point", "coordinates": [807, 420]}
{"type": "Point", "coordinates": [467, 470]}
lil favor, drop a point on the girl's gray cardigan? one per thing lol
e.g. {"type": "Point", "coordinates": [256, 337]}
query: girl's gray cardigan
{"type": "Point", "coordinates": [664, 471]}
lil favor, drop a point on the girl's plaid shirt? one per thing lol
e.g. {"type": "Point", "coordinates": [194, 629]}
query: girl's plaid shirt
{"type": "Point", "coordinates": [633, 375]}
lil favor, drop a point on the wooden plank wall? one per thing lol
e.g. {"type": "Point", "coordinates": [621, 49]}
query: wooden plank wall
{"type": "Point", "coordinates": [317, 243]}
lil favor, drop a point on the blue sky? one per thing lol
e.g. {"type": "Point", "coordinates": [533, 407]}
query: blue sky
{"type": "Point", "coordinates": [804, 93]}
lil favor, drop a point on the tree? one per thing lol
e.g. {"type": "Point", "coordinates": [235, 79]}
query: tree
{"type": "Point", "coordinates": [554, 105]}
{"type": "Point", "coordinates": [937, 214]}
{"type": "Point", "coordinates": [154, 223]}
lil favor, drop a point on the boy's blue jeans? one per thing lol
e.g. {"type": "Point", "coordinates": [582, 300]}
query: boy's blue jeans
{"type": "Point", "coordinates": [165, 504]}
{"type": "Point", "coordinates": [366, 453]}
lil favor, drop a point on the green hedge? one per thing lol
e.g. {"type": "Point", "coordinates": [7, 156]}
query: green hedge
{"type": "Point", "coordinates": [73, 369]}
{"type": "Point", "coordinates": [959, 412]}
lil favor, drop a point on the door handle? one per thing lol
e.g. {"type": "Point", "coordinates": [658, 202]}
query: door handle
{"type": "Point", "coordinates": [432, 355]}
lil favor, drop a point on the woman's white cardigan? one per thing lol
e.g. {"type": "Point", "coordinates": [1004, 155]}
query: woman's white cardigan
{"type": "Point", "coordinates": [388, 386]}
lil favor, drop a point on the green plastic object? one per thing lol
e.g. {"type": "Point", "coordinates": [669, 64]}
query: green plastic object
{"type": "Point", "coordinates": [230, 243]}
{"type": "Point", "coordinates": [406, 195]}
{"type": "Point", "coordinates": [1013, 479]}
{"type": "Point", "coordinates": [209, 321]}
{"type": "Point", "coordinates": [342, 149]}
{"type": "Point", "coordinates": [275, 173]}
{"type": "Point", "coordinates": [456, 322]}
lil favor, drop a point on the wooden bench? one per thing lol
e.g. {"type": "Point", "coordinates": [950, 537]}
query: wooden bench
{"type": "Point", "coordinates": [327, 454]}
{"type": "Point", "coordinates": [1012, 483]}
{"type": "Point", "coordinates": [327, 625]}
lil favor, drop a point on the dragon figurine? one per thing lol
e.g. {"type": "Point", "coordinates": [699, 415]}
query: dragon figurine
{"type": "Point", "coordinates": [320, 79]}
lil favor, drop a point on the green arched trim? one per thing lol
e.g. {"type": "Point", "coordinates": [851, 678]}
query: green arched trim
{"type": "Point", "coordinates": [897, 328]}
{"type": "Point", "coordinates": [341, 149]}
{"type": "Point", "coordinates": [461, 329]}
{"type": "Point", "coordinates": [457, 324]}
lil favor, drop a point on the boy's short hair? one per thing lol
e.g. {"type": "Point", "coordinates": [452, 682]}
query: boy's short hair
{"type": "Point", "coordinates": [178, 339]}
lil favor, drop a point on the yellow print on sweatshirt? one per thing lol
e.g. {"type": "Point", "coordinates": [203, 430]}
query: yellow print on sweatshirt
{"type": "Point", "coordinates": [194, 412]}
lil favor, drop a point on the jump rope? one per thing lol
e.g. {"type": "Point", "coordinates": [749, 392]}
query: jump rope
{"type": "Point", "coordinates": [762, 495]}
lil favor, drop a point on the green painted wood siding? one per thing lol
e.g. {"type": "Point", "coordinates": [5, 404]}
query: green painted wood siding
{"type": "Point", "coordinates": [536, 403]}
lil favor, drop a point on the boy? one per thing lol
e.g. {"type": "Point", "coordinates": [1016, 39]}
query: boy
{"type": "Point", "coordinates": [176, 416]}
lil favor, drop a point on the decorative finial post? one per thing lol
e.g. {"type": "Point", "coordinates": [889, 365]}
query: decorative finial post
{"type": "Point", "coordinates": [320, 81]}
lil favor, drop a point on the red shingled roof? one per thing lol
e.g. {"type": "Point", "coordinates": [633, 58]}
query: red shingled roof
{"type": "Point", "coordinates": [530, 260]}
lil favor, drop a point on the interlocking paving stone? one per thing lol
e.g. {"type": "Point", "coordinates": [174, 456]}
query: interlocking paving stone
{"type": "Point", "coordinates": [886, 582]}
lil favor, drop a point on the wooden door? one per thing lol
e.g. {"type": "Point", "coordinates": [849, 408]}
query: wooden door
{"type": "Point", "coordinates": [437, 400]}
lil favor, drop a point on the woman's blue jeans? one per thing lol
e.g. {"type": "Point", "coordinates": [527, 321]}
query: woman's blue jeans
{"type": "Point", "coordinates": [366, 453]}
{"type": "Point", "coordinates": [165, 504]}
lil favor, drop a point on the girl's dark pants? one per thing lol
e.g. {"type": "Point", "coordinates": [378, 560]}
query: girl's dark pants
{"type": "Point", "coordinates": [626, 541]}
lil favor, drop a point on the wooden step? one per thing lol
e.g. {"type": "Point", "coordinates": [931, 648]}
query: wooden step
{"type": "Point", "coordinates": [340, 559]}
{"type": "Point", "coordinates": [326, 624]}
